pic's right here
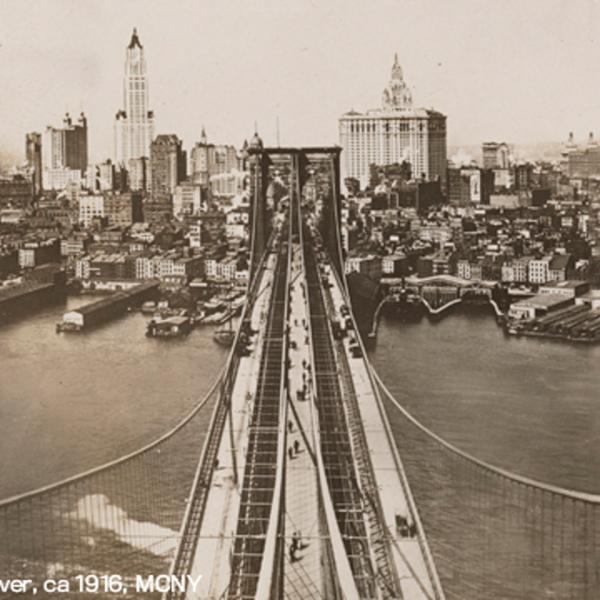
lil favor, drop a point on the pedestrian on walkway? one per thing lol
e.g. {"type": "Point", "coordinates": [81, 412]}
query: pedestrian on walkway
{"type": "Point", "coordinates": [296, 446]}
{"type": "Point", "coordinates": [292, 553]}
{"type": "Point", "coordinates": [291, 452]}
{"type": "Point", "coordinates": [297, 540]}
{"type": "Point", "coordinates": [290, 426]}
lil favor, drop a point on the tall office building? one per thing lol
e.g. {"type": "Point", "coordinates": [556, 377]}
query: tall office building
{"type": "Point", "coordinates": [496, 155]}
{"type": "Point", "coordinates": [137, 174]}
{"type": "Point", "coordinates": [65, 153]}
{"type": "Point", "coordinates": [210, 159]}
{"type": "Point", "coordinates": [167, 165]}
{"type": "Point", "coordinates": [134, 124]}
{"type": "Point", "coordinates": [33, 155]}
{"type": "Point", "coordinates": [394, 133]}
{"type": "Point", "coordinates": [66, 147]}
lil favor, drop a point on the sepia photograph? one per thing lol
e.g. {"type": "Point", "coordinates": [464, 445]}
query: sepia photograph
{"type": "Point", "coordinates": [300, 299]}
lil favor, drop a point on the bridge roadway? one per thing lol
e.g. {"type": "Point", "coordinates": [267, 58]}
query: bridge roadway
{"type": "Point", "coordinates": [306, 496]}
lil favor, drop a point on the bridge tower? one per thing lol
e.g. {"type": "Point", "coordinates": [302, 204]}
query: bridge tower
{"type": "Point", "coordinates": [318, 170]}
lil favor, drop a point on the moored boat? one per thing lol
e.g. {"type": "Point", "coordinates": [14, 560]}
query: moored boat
{"type": "Point", "coordinates": [224, 337]}
{"type": "Point", "coordinates": [169, 327]}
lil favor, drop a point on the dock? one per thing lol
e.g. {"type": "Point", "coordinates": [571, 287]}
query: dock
{"type": "Point", "coordinates": [579, 323]}
{"type": "Point", "coordinates": [102, 310]}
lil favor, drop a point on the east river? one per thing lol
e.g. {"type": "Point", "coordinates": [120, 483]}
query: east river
{"type": "Point", "coordinates": [70, 402]}
{"type": "Point", "coordinates": [531, 406]}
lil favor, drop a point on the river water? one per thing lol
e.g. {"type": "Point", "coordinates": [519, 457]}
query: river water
{"type": "Point", "coordinates": [71, 402]}
{"type": "Point", "coordinates": [529, 405]}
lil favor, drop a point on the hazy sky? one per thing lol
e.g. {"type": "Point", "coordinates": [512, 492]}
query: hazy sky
{"type": "Point", "coordinates": [518, 70]}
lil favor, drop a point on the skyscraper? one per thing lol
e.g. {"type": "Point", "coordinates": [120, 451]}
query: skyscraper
{"type": "Point", "coordinates": [167, 165]}
{"type": "Point", "coordinates": [394, 133]}
{"type": "Point", "coordinates": [495, 155]}
{"type": "Point", "coordinates": [65, 153]}
{"type": "Point", "coordinates": [33, 154]}
{"type": "Point", "coordinates": [210, 159]}
{"type": "Point", "coordinates": [66, 147]}
{"type": "Point", "coordinates": [134, 124]}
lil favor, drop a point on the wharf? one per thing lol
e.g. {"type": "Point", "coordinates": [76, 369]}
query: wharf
{"type": "Point", "coordinates": [102, 310]}
{"type": "Point", "coordinates": [25, 296]}
{"type": "Point", "coordinates": [577, 323]}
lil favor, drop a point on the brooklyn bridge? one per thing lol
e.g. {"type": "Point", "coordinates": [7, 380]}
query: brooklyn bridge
{"type": "Point", "coordinates": [299, 475]}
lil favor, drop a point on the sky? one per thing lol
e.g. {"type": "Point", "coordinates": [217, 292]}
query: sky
{"type": "Point", "coordinates": [521, 71]}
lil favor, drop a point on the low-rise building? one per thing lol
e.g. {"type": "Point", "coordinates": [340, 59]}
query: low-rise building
{"type": "Point", "coordinates": [90, 206]}
{"type": "Point", "coordinates": [73, 246]}
{"type": "Point", "coordinates": [463, 268]}
{"type": "Point", "coordinates": [123, 210]}
{"type": "Point", "coordinates": [569, 288]}
{"type": "Point", "coordinates": [33, 254]}
{"type": "Point", "coordinates": [538, 271]}
{"type": "Point", "coordinates": [369, 266]}
{"type": "Point", "coordinates": [187, 200]}
{"type": "Point", "coordinates": [538, 306]}
{"type": "Point", "coordinates": [559, 267]}
{"type": "Point", "coordinates": [394, 264]}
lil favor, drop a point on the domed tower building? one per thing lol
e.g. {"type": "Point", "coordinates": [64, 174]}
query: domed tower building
{"type": "Point", "coordinates": [394, 133]}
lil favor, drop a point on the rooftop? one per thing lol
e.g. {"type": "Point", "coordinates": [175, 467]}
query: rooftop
{"type": "Point", "coordinates": [568, 284]}
{"type": "Point", "coordinates": [542, 301]}
{"type": "Point", "coordinates": [135, 40]}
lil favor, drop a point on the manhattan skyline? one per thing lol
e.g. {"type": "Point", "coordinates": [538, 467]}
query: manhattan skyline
{"type": "Point", "coordinates": [522, 73]}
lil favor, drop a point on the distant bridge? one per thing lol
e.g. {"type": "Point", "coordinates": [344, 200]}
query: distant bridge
{"type": "Point", "coordinates": [300, 475]}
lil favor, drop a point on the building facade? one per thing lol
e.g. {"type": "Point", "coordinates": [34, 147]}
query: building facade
{"type": "Point", "coordinates": [394, 133]}
{"type": "Point", "coordinates": [187, 200]}
{"type": "Point", "coordinates": [90, 207]}
{"type": "Point", "coordinates": [167, 165]}
{"type": "Point", "coordinates": [66, 147]}
{"type": "Point", "coordinates": [496, 155]}
{"type": "Point", "coordinates": [210, 159]}
{"type": "Point", "coordinates": [64, 153]}
{"type": "Point", "coordinates": [33, 155]}
{"type": "Point", "coordinates": [134, 124]}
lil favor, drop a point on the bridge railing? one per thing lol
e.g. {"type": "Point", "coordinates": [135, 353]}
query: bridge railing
{"type": "Point", "coordinates": [494, 533]}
